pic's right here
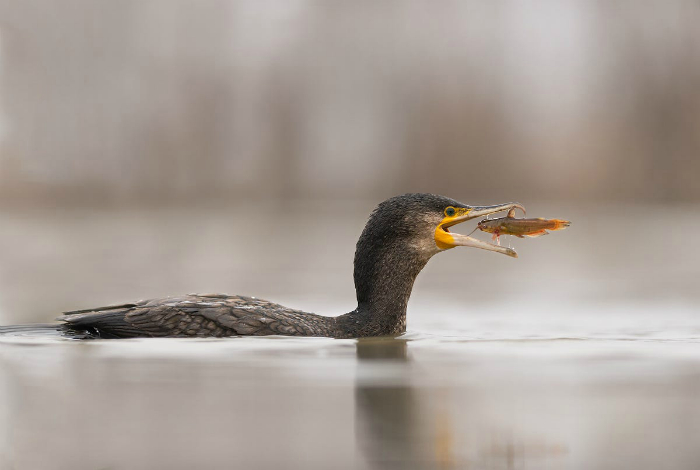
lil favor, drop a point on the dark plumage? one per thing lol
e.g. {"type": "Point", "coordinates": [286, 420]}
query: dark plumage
{"type": "Point", "coordinates": [212, 315]}
{"type": "Point", "coordinates": [396, 243]}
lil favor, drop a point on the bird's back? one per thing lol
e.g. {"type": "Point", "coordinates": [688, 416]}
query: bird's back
{"type": "Point", "coordinates": [203, 315]}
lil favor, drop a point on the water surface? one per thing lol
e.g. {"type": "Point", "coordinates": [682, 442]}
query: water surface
{"type": "Point", "coordinates": [583, 353]}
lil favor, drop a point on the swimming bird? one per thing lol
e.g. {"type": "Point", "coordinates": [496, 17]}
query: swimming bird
{"type": "Point", "coordinates": [400, 236]}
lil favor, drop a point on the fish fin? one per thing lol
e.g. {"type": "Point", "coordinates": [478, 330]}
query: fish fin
{"type": "Point", "coordinates": [537, 234]}
{"type": "Point", "coordinates": [560, 224]}
{"type": "Point", "coordinates": [497, 238]}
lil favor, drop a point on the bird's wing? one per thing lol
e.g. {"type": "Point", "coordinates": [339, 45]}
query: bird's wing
{"type": "Point", "coordinates": [198, 315]}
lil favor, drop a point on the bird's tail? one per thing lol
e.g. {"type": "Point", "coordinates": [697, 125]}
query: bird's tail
{"type": "Point", "coordinates": [43, 330]}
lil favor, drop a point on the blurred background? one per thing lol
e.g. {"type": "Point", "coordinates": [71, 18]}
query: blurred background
{"type": "Point", "coordinates": [140, 141]}
{"type": "Point", "coordinates": [133, 101]}
{"type": "Point", "coordinates": [160, 147]}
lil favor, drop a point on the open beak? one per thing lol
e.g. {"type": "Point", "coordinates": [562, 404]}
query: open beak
{"type": "Point", "coordinates": [446, 239]}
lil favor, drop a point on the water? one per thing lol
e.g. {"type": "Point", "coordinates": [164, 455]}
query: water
{"type": "Point", "coordinates": [584, 353]}
{"type": "Point", "coordinates": [417, 401]}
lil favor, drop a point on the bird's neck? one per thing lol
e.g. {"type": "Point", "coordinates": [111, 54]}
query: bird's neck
{"type": "Point", "coordinates": [384, 277]}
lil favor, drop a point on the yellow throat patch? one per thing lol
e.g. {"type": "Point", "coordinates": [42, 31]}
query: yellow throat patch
{"type": "Point", "coordinates": [443, 239]}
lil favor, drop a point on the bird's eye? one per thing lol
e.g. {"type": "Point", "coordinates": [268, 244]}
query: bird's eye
{"type": "Point", "coordinates": [450, 211]}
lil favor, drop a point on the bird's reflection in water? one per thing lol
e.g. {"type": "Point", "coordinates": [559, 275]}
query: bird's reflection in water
{"type": "Point", "coordinates": [387, 426]}
{"type": "Point", "coordinates": [404, 424]}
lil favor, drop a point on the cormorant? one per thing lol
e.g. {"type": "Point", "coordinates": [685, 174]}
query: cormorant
{"type": "Point", "coordinates": [401, 235]}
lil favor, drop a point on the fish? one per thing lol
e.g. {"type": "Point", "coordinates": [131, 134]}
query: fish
{"type": "Point", "coordinates": [509, 225]}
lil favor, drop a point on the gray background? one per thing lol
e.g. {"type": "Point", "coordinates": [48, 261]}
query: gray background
{"type": "Point", "coordinates": [154, 148]}
{"type": "Point", "coordinates": [110, 103]}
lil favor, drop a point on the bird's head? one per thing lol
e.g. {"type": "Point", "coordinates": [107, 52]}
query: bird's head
{"type": "Point", "coordinates": [425, 221]}
{"type": "Point", "coordinates": [401, 235]}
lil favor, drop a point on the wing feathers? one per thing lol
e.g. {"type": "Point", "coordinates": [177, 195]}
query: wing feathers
{"type": "Point", "coordinates": [204, 315]}
{"type": "Point", "coordinates": [102, 309]}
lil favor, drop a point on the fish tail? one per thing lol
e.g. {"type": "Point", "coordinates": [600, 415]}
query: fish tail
{"type": "Point", "coordinates": [559, 224]}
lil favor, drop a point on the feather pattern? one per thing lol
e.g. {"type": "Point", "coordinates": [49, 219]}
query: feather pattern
{"type": "Point", "coordinates": [210, 315]}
